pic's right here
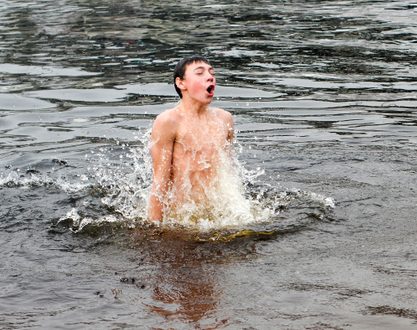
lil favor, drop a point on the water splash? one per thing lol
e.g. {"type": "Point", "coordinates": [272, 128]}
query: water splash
{"type": "Point", "coordinates": [115, 188]}
{"type": "Point", "coordinates": [228, 204]}
{"type": "Point", "coordinates": [124, 174]}
{"type": "Point", "coordinates": [33, 178]}
{"type": "Point", "coordinates": [242, 197]}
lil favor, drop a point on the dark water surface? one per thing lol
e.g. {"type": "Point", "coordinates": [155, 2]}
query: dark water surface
{"type": "Point", "coordinates": [324, 96]}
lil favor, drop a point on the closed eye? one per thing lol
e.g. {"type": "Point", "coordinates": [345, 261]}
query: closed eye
{"type": "Point", "coordinates": [200, 70]}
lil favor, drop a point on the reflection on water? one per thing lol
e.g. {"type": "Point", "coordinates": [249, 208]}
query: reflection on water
{"type": "Point", "coordinates": [324, 98]}
{"type": "Point", "coordinates": [187, 286]}
{"type": "Point", "coordinates": [184, 287]}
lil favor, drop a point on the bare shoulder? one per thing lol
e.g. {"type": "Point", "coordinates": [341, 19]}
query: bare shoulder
{"type": "Point", "coordinates": [227, 120]}
{"type": "Point", "coordinates": [167, 117]}
{"type": "Point", "coordinates": [224, 115]}
{"type": "Point", "coordinates": [165, 123]}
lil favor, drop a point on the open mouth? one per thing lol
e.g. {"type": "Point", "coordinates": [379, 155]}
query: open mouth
{"type": "Point", "coordinates": [210, 89]}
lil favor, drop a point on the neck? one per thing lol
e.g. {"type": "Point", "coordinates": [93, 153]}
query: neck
{"type": "Point", "coordinates": [192, 106]}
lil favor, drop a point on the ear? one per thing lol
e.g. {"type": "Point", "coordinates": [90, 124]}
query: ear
{"type": "Point", "coordinates": [180, 83]}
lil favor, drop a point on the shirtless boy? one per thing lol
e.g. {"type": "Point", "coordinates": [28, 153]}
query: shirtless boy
{"type": "Point", "coordinates": [188, 141]}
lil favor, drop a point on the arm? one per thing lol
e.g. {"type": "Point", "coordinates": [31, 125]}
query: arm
{"type": "Point", "coordinates": [162, 143]}
{"type": "Point", "coordinates": [229, 124]}
{"type": "Point", "coordinates": [230, 128]}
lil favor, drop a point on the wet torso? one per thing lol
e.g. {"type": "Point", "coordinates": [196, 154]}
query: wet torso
{"type": "Point", "coordinates": [198, 148]}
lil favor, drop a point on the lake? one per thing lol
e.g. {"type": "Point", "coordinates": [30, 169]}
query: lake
{"type": "Point", "coordinates": [324, 98]}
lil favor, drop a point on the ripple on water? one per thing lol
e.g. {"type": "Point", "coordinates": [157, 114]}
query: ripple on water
{"type": "Point", "coordinates": [323, 94]}
{"type": "Point", "coordinates": [19, 102]}
{"type": "Point", "coordinates": [45, 71]}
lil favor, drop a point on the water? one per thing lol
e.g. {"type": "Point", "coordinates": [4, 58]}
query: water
{"type": "Point", "coordinates": [323, 94]}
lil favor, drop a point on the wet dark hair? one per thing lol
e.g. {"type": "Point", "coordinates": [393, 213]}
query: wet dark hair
{"type": "Point", "coordinates": [179, 70]}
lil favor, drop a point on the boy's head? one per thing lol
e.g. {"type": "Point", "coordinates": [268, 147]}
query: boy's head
{"type": "Point", "coordinates": [181, 66]}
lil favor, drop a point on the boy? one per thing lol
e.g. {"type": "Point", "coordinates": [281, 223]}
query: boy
{"type": "Point", "coordinates": [188, 142]}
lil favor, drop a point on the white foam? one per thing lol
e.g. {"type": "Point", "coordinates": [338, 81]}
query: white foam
{"type": "Point", "coordinates": [228, 204]}
{"type": "Point", "coordinates": [79, 222]}
{"type": "Point", "coordinates": [127, 180]}
{"type": "Point", "coordinates": [123, 175]}
{"type": "Point", "coordinates": [18, 179]}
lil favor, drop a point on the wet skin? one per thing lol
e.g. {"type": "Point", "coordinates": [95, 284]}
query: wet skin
{"type": "Point", "coordinates": [187, 143]}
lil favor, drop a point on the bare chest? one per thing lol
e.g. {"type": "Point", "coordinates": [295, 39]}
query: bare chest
{"type": "Point", "coordinates": [199, 138]}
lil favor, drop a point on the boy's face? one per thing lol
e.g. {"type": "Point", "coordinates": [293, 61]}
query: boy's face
{"type": "Point", "coordinates": [199, 82]}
